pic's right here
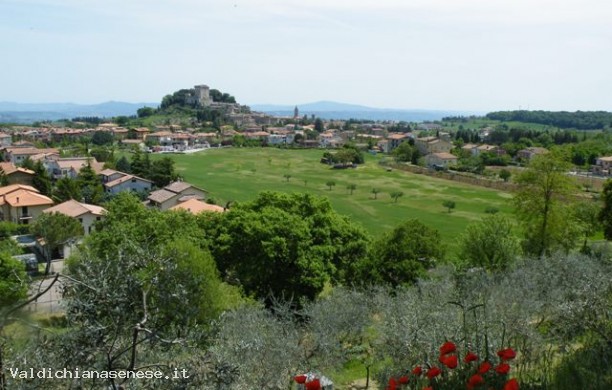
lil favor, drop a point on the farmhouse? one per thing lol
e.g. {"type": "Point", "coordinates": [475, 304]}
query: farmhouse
{"type": "Point", "coordinates": [603, 166]}
{"type": "Point", "coordinates": [444, 160]}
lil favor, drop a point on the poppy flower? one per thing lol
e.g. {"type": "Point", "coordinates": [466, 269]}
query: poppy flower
{"type": "Point", "coordinates": [506, 354]}
{"type": "Point", "coordinates": [300, 379]}
{"type": "Point", "coordinates": [314, 384]}
{"type": "Point", "coordinates": [392, 384]}
{"type": "Point", "coordinates": [417, 371]}
{"type": "Point", "coordinates": [512, 384]}
{"type": "Point", "coordinates": [484, 368]}
{"type": "Point", "coordinates": [502, 368]}
{"type": "Point", "coordinates": [403, 380]}
{"type": "Point", "coordinates": [449, 361]}
{"type": "Point", "coordinates": [475, 380]}
{"type": "Point", "coordinates": [433, 372]}
{"type": "Point", "coordinates": [447, 347]}
{"type": "Point", "coordinates": [470, 357]}
{"type": "Point", "coordinates": [428, 388]}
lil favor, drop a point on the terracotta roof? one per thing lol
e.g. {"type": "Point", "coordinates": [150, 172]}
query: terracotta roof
{"type": "Point", "coordinates": [77, 163]}
{"type": "Point", "coordinates": [195, 206]}
{"type": "Point", "coordinates": [608, 158]}
{"type": "Point", "coordinates": [9, 168]}
{"type": "Point", "coordinates": [161, 196]}
{"type": "Point", "coordinates": [178, 186]}
{"type": "Point", "coordinates": [23, 197]}
{"type": "Point", "coordinates": [30, 151]}
{"type": "Point", "coordinates": [397, 136]}
{"type": "Point", "coordinates": [123, 179]}
{"type": "Point", "coordinates": [14, 187]}
{"type": "Point", "coordinates": [109, 172]}
{"type": "Point", "coordinates": [445, 156]}
{"type": "Point", "coordinates": [73, 209]}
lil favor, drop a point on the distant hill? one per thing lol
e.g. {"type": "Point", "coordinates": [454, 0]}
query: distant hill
{"type": "Point", "coordinates": [32, 112]}
{"type": "Point", "coordinates": [335, 110]}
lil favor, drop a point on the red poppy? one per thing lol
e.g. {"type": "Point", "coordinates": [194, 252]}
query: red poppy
{"type": "Point", "coordinates": [403, 380]}
{"type": "Point", "coordinates": [475, 380]}
{"type": "Point", "coordinates": [502, 368]}
{"type": "Point", "coordinates": [484, 367]}
{"type": "Point", "coordinates": [428, 388]}
{"type": "Point", "coordinates": [506, 354]}
{"type": "Point", "coordinates": [300, 379]}
{"type": "Point", "coordinates": [392, 384]}
{"type": "Point", "coordinates": [314, 384]}
{"type": "Point", "coordinates": [470, 357]}
{"type": "Point", "coordinates": [417, 371]}
{"type": "Point", "coordinates": [449, 361]}
{"type": "Point", "coordinates": [512, 384]}
{"type": "Point", "coordinates": [433, 372]}
{"type": "Point", "coordinates": [447, 347]}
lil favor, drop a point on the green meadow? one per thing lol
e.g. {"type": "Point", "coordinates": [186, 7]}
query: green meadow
{"type": "Point", "coordinates": [238, 174]}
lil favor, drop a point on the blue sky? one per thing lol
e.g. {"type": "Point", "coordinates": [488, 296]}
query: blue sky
{"type": "Point", "coordinates": [430, 54]}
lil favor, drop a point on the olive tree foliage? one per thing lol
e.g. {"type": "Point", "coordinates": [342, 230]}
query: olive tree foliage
{"type": "Point", "coordinates": [535, 304]}
{"type": "Point", "coordinates": [489, 243]}
{"type": "Point", "coordinates": [543, 204]}
{"type": "Point", "coordinates": [13, 280]}
{"type": "Point", "coordinates": [256, 349]}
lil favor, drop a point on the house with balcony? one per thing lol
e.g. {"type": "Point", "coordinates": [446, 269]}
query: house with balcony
{"type": "Point", "coordinates": [22, 204]}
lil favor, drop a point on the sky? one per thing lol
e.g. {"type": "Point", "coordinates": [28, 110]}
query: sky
{"type": "Point", "coordinates": [475, 55]}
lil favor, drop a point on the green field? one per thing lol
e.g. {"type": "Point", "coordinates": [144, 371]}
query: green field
{"type": "Point", "coordinates": [238, 174]}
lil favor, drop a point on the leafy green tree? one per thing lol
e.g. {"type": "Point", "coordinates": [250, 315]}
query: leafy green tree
{"type": "Point", "coordinates": [489, 243]}
{"type": "Point", "coordinates": [141, 164]}
{"type": "Point", "coordinates": [102, 138]}
{"type": "Point", "coordinates": [123, 165]}
{"type": "Point", "coordinates": [55, 229]}
{"type": "Point", "coordinates": [395, 195]}
{"type": "Point", "coordinates": [403, 153]}
{"type": "Point", "coordinates": [27, 163]}
{"type": "Point", "coordinates": [449, 204]}
{"type": "Point", "coordinates": [145, 112]}
{"type": "Point", "coordinates": [402, 255]}
{"type": "Point", "coordinates": [542, 204]}
{"type": "Point", "coordinates": [375, 191]}
{"type": "Point", "coordinates": [505, 174]}
{"type": "Point", "coordinates": [330, 184]}
{"type": "Point", "coordinates": [319, 127]}
{"type": "Point", "coordinates": [586, 214]}
{"type": "Point", "coordinates": [287, 176]}
{"type": "Point", "coordinates": [66, 189]}
{"type": "Point", "coordinates": [41, 180]}
{"type": "Point", "coordinates": [605, 215]}
{"type": "Point", "coordinates": [162, 172]}
{"type": "Point", "coordinates": [91, 187]}
{"type": "Point", "coordinates": [351, 187]}
{"type": "Point", "coordinates": [284, 245]}
{"type": "Point", "coordinates": [13, 280]}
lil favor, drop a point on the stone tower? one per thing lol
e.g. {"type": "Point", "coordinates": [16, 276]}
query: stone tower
{"type": "Point", "coordinates": [202, 95]}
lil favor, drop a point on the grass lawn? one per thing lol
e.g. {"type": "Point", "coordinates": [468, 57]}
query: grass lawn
{"type": "Point", "coordinates": [238, 174]}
